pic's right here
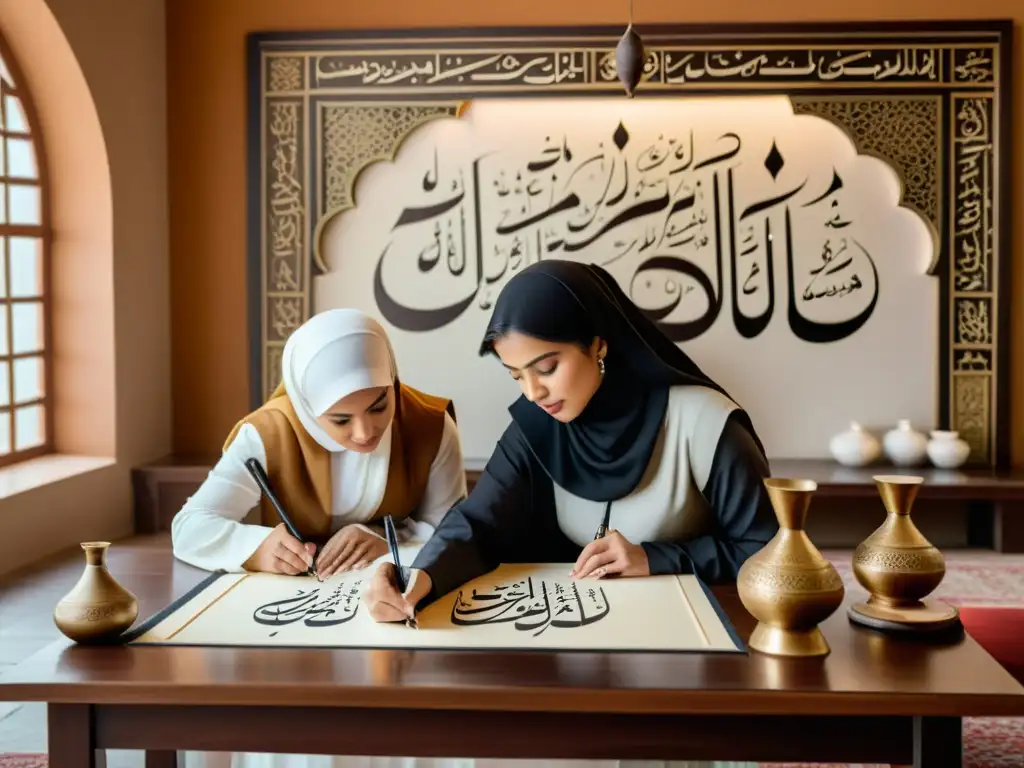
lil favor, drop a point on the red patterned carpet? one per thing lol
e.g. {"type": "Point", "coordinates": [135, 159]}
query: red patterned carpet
{"type": "Point", "coordinates": [986, 580]}
{"type": "Point", "coordinates": [15, 760]}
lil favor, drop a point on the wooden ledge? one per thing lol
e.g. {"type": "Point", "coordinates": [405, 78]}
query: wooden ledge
{"type": "Point", "coordinates": [161, 488]}
{"type": "Point", "coordinates": [45, 470]}
{"type": "Point", "coordinates": [969, 484]}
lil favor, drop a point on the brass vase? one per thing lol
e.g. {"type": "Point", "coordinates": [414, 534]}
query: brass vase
{"type": "Point", "coordinates": [97, 609]}
{"type": "Point", "coordinates": [788, 586]}
{"type": "Point", "coordinates": [899, 567]}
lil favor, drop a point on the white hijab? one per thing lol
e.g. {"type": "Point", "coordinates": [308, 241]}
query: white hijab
{"type": "Point", "coordinates": [330, 356]}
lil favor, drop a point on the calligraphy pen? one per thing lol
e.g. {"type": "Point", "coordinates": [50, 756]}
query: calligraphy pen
{"type": "Point", "coordinates": [260, 476]}
{"type": "Point", "coordinates": [602, 529]}
{"type": "Point", "coordinates": [401, 582]}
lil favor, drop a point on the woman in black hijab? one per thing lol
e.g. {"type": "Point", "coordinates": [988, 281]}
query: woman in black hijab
{"type": "Point", "coordinates": [622, 456]}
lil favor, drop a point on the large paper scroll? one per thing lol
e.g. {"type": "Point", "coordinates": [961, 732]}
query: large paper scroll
{"type": "Point", "coordinates": [526, 607]}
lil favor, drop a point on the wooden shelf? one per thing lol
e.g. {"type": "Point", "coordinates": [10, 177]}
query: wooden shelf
{"type": "Point", "coordinates": [835, 480]}
{"type": "Point", "coordinates": [163, 486]}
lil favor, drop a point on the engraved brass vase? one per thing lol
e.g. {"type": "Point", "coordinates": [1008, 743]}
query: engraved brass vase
{"type": "Point", "coordinates": [897, 565]}
{"type": "Point", "coordinates": [97, 609]}
{"type": "Point", "coordinates": [788, 586]}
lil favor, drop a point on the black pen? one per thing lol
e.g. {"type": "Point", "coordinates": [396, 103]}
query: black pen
{"type": "Point", "coordinates": [400, 580]}
{"type": "Point", "coordinates": [260, 476]}
{"type": "Point", "coordinates": [602, 529]}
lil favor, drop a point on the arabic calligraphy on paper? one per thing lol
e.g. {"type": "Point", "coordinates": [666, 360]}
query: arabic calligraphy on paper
{"type": "Point", "coordinates": [315, 607]}
{"type": "Point", "coordinates": [532, 605]}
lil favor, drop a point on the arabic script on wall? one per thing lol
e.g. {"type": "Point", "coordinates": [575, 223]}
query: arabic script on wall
{"type": "Point", "coordinates": [751, 235]}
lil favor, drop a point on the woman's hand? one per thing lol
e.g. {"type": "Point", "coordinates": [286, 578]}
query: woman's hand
{"type": "Point", "coordinates": [281, 552]}
{"type": "Point", "coordinates": [353, 547]}
{"type": "Point", "coordinates": [611, 555]}
{"type": "Point", "coordinates": [383, 600]}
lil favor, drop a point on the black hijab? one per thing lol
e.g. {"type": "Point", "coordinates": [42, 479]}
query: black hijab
{"type": "Point", "coordinates": [602, 454]}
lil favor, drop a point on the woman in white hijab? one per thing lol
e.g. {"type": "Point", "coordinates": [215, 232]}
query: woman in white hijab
{"type": "Point", "coordinates": [343, 443]}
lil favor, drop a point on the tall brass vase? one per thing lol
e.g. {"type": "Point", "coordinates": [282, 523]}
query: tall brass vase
{"type": "Point", "coordinates": [789, 587]}
{"type": "Point", "coordinates": [899, 567]}
{"type": "Point", "coordinates": [97, 609]}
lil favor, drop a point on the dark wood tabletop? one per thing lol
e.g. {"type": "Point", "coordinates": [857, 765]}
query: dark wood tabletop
{"type": "Point", "coordinates": [865, 673]}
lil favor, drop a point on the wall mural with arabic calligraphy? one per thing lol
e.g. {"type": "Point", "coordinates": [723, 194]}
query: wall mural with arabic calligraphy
{"type": "Point", "coordinates": [757, 238]}
{"type": "Point", "coordinates": [818, 219]}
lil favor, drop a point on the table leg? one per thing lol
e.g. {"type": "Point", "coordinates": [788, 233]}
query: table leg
{"type": "Point", "coordinates": [1008, 527]}
{"type": "Point", "coordinates": [161, 758]}
{"type": "Point", "coordinates": [938, 742]}
{"type": "Point", "coordinates": [70, 737]}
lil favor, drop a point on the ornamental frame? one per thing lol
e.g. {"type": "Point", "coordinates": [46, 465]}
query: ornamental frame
{"type": "Point", "coordinates": [932, 99]}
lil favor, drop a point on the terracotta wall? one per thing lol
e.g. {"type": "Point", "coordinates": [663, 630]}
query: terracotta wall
{"type": "Point", "coordinates": [207, 108]}
{"type": "Point", "coordinates": [97, 74]}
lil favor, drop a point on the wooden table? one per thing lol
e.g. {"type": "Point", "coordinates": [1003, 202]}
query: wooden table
{"type": "Point", "coordinates": [872, 700]}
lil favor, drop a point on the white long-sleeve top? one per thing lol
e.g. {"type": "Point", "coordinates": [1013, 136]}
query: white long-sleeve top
{"type": "Point", "coordinates": [208, 532]}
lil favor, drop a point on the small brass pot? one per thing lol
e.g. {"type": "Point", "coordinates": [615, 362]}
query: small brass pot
{"type": "Point", "coordinates": [97, 609]}
{"type": "Point", "coordinates": [788, 586]}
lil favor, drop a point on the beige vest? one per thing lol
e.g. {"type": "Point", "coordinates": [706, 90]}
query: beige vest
{"type": "Point", "coordinates": [299, 468]}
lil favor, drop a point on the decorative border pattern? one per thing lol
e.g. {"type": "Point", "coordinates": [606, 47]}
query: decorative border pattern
{"type": "Point", "coordinates": [905, 131]}
{"type": "Point", "coordinates": [973, 331]}
{"type": "Point", "coordinates": [931, 99]}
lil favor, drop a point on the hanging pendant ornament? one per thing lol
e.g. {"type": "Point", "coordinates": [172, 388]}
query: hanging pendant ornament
{"type": "Point", "coordinates": [629, 56]}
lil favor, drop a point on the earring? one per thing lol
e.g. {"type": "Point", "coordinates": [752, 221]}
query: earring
{"type": "Point", "coordinates": [600, 365]}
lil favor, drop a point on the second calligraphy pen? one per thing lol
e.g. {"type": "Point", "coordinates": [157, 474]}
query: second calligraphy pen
{"type": "Point", "coordinates": [260, 476]}
{"type": "Point", "coordinates": [400, 579]}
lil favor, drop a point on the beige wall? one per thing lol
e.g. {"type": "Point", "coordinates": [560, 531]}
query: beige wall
{"type": "Point", "coordinates": [97, 72]}
{"type": "Point", "coordinates": [112, 264]}
{"type": "Point", "coordinates": [207, 99]}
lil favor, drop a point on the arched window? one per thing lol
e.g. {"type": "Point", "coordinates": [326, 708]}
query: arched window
{"type": "Point", "coordinates": [25, 361]}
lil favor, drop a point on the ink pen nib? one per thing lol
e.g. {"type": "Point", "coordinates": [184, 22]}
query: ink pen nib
{"type": "Point", "coordinates": [412, 623]}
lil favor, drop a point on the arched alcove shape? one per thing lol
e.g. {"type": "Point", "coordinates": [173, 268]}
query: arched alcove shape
{"type": "Point", "coordinates": [82, 408]}
{"type": "Point", "coordinates": [686, 202]}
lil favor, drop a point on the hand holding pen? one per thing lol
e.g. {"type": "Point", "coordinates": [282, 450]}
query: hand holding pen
{"type": "Point", "coordinates": [280, 552]}
{"type": "Point", "coordinates": [284, 550]}
{"type": "Point", "coordinates": [401, 575]}
{"type": "Point", "coordinates": [395, 590]}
